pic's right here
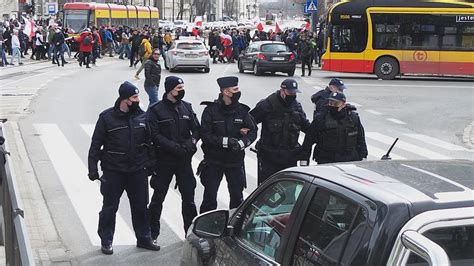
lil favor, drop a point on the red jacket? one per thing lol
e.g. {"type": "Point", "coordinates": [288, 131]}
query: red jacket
{"type": "Point", "coordinates": [82, 46]}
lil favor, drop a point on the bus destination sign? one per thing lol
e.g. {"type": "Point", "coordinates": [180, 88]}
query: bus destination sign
{"type": "Point", "coordinates": [465, 18]}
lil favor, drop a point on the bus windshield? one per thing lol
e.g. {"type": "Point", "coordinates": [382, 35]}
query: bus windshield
{"type": "Point", "coordinates": [76, 20]}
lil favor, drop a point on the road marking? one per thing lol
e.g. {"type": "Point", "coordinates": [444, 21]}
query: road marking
{"type": "Point", "coordinates": [378, 153]}
{"type": "Point", "coordinates": [396, 121]}
{"type": "Point", "coordinates": [356, 104]}
{"type": "Point", "coordinates": [406, 146]}
{"type": "Point", "coordinates": [436, 142]}
{"type": "Point", "coordinates": [170, 212]}
{"type": "Point", "coordinates": [408, 86]}
{"type": "Point", "coordinates": [373, 112]}
{"type": "Point", "coordinates": [73, 176]}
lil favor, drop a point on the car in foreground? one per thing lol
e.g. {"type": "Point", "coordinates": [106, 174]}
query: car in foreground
{"type": "Point", "coordinates": [267, 56]}
{"type": "Point", "coordinates": [187, 53]}
{"type": "Point", "coordinates": [358, 213]}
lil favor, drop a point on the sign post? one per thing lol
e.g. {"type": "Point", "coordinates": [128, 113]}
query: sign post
{"type": "Point", "coordinates": [312, 8]}
{"type": "Point", "coordinates": [52, 8]}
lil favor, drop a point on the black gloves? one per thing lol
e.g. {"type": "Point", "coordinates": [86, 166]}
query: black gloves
{"type": "Point", "coordinates": [189, 146]}
{"type": "Point", "coordinates": [93, 176]}
{"type": "Point", "coordinates": [236, 145]}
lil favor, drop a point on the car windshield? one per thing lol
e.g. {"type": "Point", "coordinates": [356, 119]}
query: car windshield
{"type": "Point", "coordinates": [190, 46]}
{"type": "Point", "coordinates": [274, 48]}
{"type": "Point", "coordinates": [76, 20]}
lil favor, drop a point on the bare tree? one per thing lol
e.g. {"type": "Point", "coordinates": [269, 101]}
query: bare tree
{"type": "Point", "coordinates": [230, 8]}
{"type": "Point", "coordinates": [201, 6]}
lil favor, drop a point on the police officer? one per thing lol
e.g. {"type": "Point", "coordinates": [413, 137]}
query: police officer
{"type": "Point", "coordinates": [227, 129]}
{"type": "Point", "coordinates": [120, 142]}
{"type": "Point", "coordinates": [337, 132]}
{"type": "Point", "coordinates": [320, 98]}
{"type": "Point", "coordinates": [282, 119]}
{"type": "Point", "coordinates": [175, 131]}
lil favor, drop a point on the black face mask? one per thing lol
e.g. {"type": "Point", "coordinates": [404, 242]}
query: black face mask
{"type": "Point", "coordinates": [335, 112]}
{"type": "Point", "coordinates": [235, 97]}
{"type": "Point", "coordinates": [179, 96]}
{"type": "Point", "coordinates": [289, 99]}
{"type": "Point", "coordinates": [134, 106]}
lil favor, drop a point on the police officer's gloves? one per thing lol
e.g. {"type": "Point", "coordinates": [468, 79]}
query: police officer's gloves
{"type": "Point", "coordinates": [94, 176]}
{"type": "Point", "coordinates": [179, 150]}
{"type": "Point", "coordinates": [189, 146]}
{"type": "Point", "coordinates": [236, 145]}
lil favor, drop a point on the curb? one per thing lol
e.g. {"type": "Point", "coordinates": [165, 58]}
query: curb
{"type": "Point", "coordinates": [468, 135]}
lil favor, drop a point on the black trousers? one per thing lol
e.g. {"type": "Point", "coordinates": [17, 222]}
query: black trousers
{"type": "Point", "coordinates": [267, 168]}
{"type": "Point", "coordinates": [160, 183]}
{"type": "Point", "coordinates": [306, 61]}
{"type": "Point", "coordinates": [211, 177]}
{"type": "Point", "coordinates": [133, 52]}
{"type": "Point", "coordinates": [136, 186]}
{"type": "Point", "coordinates": [85, 58]}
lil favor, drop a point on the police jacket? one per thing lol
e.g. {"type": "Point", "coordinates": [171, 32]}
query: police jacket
{"type": "Point", "coordinates": [221, 122]}
{"type": "Point", "coordinates": [281, 126]}
{"type": "Point", "coordinates": [320, 100]}
{"type": "Point", "coordinates": [152, 73]}
{"type": "Point", "coordinates": [173, 125]}
{"type": "Point", "coordinates": [120, 141]}
{"type": "Point", "coordinates": [338, 138]}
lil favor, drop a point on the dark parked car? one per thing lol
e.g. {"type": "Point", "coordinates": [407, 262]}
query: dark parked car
{"type": "Point", "coordinates": [363, 213]}
{"type": "Point", "coordinates": [267, 56]}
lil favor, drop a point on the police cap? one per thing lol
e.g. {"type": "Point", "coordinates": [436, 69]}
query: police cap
{"type": "Point", "coordinates": [291, 85]}
{"type": "Point", "coordinates": [127, 90]}
{"type": "Point", "coordinates": [228, 82]}
{"type": "Point", "coordinates": [338, 83]}
{"type": "Point", "coordinates": [337, 96]}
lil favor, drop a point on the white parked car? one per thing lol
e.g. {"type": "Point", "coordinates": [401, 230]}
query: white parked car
{"type": "Point", "coordinates": [187, 53]}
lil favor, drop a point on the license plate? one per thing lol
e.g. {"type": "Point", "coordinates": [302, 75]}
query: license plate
{"type": "Point", "coordinates": [278, 58]}
{"type": "Point", "coordinates": [191, 55]}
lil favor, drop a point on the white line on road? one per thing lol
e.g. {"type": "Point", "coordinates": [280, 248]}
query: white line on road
{"type": "Point", "coordinates": [356, 104]}
{"type": "Point", "coordinates": [406, 85]}
{"type": "Point", "coordinates": [436, 142]}
{"type": "Point", "coordinates": [406, 146]}
{"type": "Point", "coordinates": [84, 195]}
{"type": "Point", "coordinates": [373, 112]}
{"type": "Point", "coordinates": [396, 121]}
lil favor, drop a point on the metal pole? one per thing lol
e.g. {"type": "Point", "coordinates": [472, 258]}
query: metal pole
{"type": "Point", "coordinates": [173, 11]}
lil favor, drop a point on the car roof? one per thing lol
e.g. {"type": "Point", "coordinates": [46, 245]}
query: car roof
{"type": "Point", "coordinates": [188, 41]}
{"type": "Point", "coordinates": [267, 42]}
{"type": "Point", "coordinates": [425, 185]}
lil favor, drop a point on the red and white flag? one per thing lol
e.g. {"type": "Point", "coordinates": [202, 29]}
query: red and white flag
{"type": "Point", "coordinates": [277, 27]}
{"type": "Point", "coordinates": [260, 27]}
{"type": "Point", "coordinates": [307, 26]}
{"type": "Point", "coordinates": [198, 21]}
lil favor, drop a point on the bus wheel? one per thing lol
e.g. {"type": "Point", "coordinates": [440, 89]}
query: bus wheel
{"type": "Point", "coordinates": [386, 68]}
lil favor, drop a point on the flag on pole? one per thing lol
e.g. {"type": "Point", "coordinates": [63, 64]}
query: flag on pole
{"type": "Point", "coordinates": [29, 29]}
{"type": "Point", "coordinates": [198, 21]}
{"type": "Point", "coordinates": [260, 27]}
{"type": "Point", "coordinates": [277, 27]}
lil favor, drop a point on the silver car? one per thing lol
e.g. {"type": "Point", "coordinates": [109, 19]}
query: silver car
{"type": "Point", "coordinates": [187, 54]}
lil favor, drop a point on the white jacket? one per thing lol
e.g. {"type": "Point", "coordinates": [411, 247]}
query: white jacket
{"type": "Point", "coordinates": [15, 42]}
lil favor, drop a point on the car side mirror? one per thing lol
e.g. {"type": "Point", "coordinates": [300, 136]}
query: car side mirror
{"type": "Point", "coordinates": [212, 224]}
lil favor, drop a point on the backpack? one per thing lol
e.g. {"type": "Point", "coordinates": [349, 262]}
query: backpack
{"type": "Point", "coordinates": [87, 40]}
{"type": "Point", "coordinates": [141, 50]}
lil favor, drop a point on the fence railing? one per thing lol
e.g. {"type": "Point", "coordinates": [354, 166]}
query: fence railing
{"type": "Point", "coordinates": [14, 233]}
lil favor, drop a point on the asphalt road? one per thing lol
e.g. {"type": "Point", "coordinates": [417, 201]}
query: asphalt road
{"type": "Point", "coordinates": [427, 114]}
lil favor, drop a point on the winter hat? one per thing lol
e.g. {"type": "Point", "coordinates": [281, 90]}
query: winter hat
{"type": "Point", "coordinates": [127, 90]}
{"type": "Point", "coordinates": [171, 82]}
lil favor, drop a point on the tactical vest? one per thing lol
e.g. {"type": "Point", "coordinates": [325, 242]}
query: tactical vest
{"type": "Point", "coordinates": [338, 135]}
{"type": "Point", "coordinates": [282, 126]}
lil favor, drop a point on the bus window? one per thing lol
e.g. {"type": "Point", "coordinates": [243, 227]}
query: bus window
{"type": "Point", "coordinates": [350, 36]}
{"type": "Point", "coordinates": [456, 35]}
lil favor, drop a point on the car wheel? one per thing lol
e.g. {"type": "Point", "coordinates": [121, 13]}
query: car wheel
{"type": "Point", "coordinates": [386, 68]}
{"type": "Point", "coordinates": [206, 70]}
{"type": "Point", "coordinates": [256, 70]}
{"type": "Point", "coordinates": [172, 69]}
{"type": "Point", "coordinates": [241, 67]}
{"type": "Point", "coordinates": [291, 73]}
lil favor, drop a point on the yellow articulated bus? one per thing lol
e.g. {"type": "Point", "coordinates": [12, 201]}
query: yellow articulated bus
{"type": "Point", "coordinates": [78, 16]}
{"type": "Point", "coordinates": [390, 38]}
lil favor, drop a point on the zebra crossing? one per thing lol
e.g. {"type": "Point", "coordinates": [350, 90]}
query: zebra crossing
{"type": "Point", "coordinates": [71, 169]}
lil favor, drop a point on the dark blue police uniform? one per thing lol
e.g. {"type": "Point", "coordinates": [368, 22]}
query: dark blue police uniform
{"type": "Point", "coordinates": [124, 138]}
{"type": "Point", "coordinates": [175, 131]}
{"type": "Point", "coordinates": [282, 120]}
{"type": "Point", "coordinates": [223, 144]}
